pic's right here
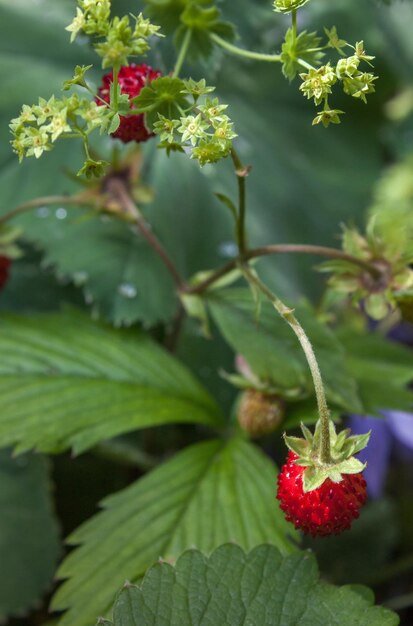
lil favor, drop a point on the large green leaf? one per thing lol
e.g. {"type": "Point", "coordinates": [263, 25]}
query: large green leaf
{"type": "Point", "coordinates": [382, 368]}
{"type": "Point", "coordinates": [231, 588]}
{"type": "Point", "coordinates": [273, 351]}
{"type": "Point", "coordinates": [68, 381]}
{"type": "Point", "coordinates": [208, 494]}
{"type": "Point", "coordinates": [29, 535]}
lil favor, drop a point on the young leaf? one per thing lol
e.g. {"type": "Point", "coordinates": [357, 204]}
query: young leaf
{"type": "Point", "coordinates": [66, 381]}
{"type": "Point", "coordinates": [162, 97]}
{"type": "Point", "coordinates": [208, 494]}
{"type": "Point", "coordinates": [273, 351]}
{"type": "Point", "coordinates": [231, 587]}
{"type": "Point", "coordinates": [29, 534]}
{"type": "Point", "coordinates": [202, 21]}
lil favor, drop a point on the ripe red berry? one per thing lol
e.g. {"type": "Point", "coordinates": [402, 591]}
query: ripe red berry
{"type": "Point", "coordinates": [4, 270]}
{"type": "Point", "coordinates": [131, 78]}
{"type": "Point", "coordinates": [327, 510]}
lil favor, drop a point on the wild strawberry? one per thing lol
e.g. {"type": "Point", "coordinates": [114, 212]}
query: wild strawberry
{"type": "Point", "coordinates": [259, 413]}
{"type": "Point", "coordinates": [4, 270]}
{"type": "Point", "coordinates": [327, 510]}
{"type": "Point", "coordinates": [131, 79]}
{"type": "Point", "coordinates": [322, 498]}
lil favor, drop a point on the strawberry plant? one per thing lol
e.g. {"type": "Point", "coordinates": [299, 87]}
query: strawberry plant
{"type": "Point", "coordinates": [163, 340]}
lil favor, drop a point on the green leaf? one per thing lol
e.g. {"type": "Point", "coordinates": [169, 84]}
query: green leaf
{"type": "Point", "coordinates": [162, 97]}
{"type": "Point", "coordinates": [208, 494]}
{"type": "Point", "coordinates": [233, 588]}
{"type": "Point", "coordinates": [202, 21]}
{"type": "Point", "coordinates": [273, 351]}
{"type": "Point", "coordinates": [382, 369]}
{"type": "Point", "coordinates": [29, 534]}
{"type": "Point", "coordinates": [66, 381]}
{"type": "Point", "coordinates": [167, 13]}
{"type": "Point", "coordinates": [304, 46]}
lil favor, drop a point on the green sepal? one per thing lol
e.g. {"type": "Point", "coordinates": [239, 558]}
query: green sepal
{"type": "Point", "coordinates": [355, 444]}
{"type": "Point", "coordinates": [342, 448]}
{"type": "Point", "coordinates": [351, 466]}
{"type": "Point", "coordinates": [297, 445]}
{"type": "Point", "coordinates": [313, 478]}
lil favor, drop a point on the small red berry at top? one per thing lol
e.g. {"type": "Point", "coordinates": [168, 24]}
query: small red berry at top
{"type": "Point", "coordinates": [329, 509]}
{"type": "Point", "coordinates": [132, 78]}
{"type": "Point", "coordinates": [4, 270]}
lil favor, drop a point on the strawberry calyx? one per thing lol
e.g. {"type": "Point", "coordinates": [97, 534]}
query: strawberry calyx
{"type": "Point", "coordinates": [343, 447]}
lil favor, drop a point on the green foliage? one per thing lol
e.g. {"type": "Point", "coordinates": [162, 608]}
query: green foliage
{"type": "Point", "coordinates": [66, 381]}
{"type": "Point", "coordinates": [273, 351]}
{"type": "Point", "coordinates": [208, 494]}
{"type": "Point", "coordinates": [373, 359]}
{"type": "Point", "coordinates": [29, 534]}
{"type": "Point", "coordinates": [305, 46]}
{"type": "Point", "coordinates": [162, 97]}
{"type": "Point", "coordinates": [234, 588]}
{"type": "Point", "coordinates": [202, 22]}
{"type": "Point", "coordinates": [168, 13]}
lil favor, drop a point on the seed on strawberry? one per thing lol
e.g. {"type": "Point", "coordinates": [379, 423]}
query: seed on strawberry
{"type": "Point", "coordinates": [4, 270]}
{"type": "Point", "coordinates": [132, 78]}
{"type": "Point", "coordinates": [325, 510]}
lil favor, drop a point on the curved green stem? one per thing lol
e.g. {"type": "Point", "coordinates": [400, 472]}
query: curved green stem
{"type": "Point", "coordinates": [248, 54]}
{"type": "Point", "coordinates": [288, 315]}
{"type": "Point", "coordinates": [182, 53]}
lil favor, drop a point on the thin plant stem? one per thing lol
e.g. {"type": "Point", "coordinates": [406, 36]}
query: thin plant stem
{"type": "Point", "coordinates": [119, 190]}
{"type": "Point", "coordinates": [115, 88]}
{"type": "Point", "coordinates": [241, 173]}
{"type": "Point", "coordinates": [294, 23]}
{"type": "Point", "coordinates": [288, 315]}
{"type": "Point", "coordinates": [182, 53]}
{"type": "Point", "coordinates": [44, 201]}
{"type": "Point", "coordinates": [331, 253]}
{"type": "Point", "coordinates": [248, 54]}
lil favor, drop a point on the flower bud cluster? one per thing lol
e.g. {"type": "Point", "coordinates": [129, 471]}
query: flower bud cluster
{"type": "Point", "coordinates": [317, 83]}
{"type": "Point", "coordinates": [122, 37]}
{"type": "Point", "coordinates": [204, 130]}
{"type": "Point", "coordinates": [37, 127]}
{"type": "Point", "coordinates": [286, 6]}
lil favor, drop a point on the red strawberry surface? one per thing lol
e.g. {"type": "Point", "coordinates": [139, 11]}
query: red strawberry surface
{"type": "Point", "coordinates": [4, 270]}
{"type": "Point", "coordinates": [132, 78]}
{"type": "Point", "coordinates": [329, 509]}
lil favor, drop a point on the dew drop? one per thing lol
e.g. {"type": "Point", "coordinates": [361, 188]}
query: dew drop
{"type": "Point", "coordinates": [80, 278]}
{"type": "Point", "coordinates": [61, 213]}
{"type": "Point", "coordinates": [228, 249]}
{"type": "Point", "coordinates": [43, 211]}
{"type": "Point", "coordinates": [127, 290]}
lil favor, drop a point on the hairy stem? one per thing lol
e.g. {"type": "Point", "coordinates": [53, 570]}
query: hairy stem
{"type": "Point", "coordinates": [257, 56]}
{"type": "Point", "coordinates": [288, 315]}
{"type": "Point", "coordinates": [118, 189]}
{"type": "Point", "coordinates": [182, 53]}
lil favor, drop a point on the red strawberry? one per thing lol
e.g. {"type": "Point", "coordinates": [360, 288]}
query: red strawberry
{"type": "Point", "coordinates": [4, 270]}
{"type": "Point", "coordinates": [131, 79]}
{"type": "Point", "coordinates": [328, 509]}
